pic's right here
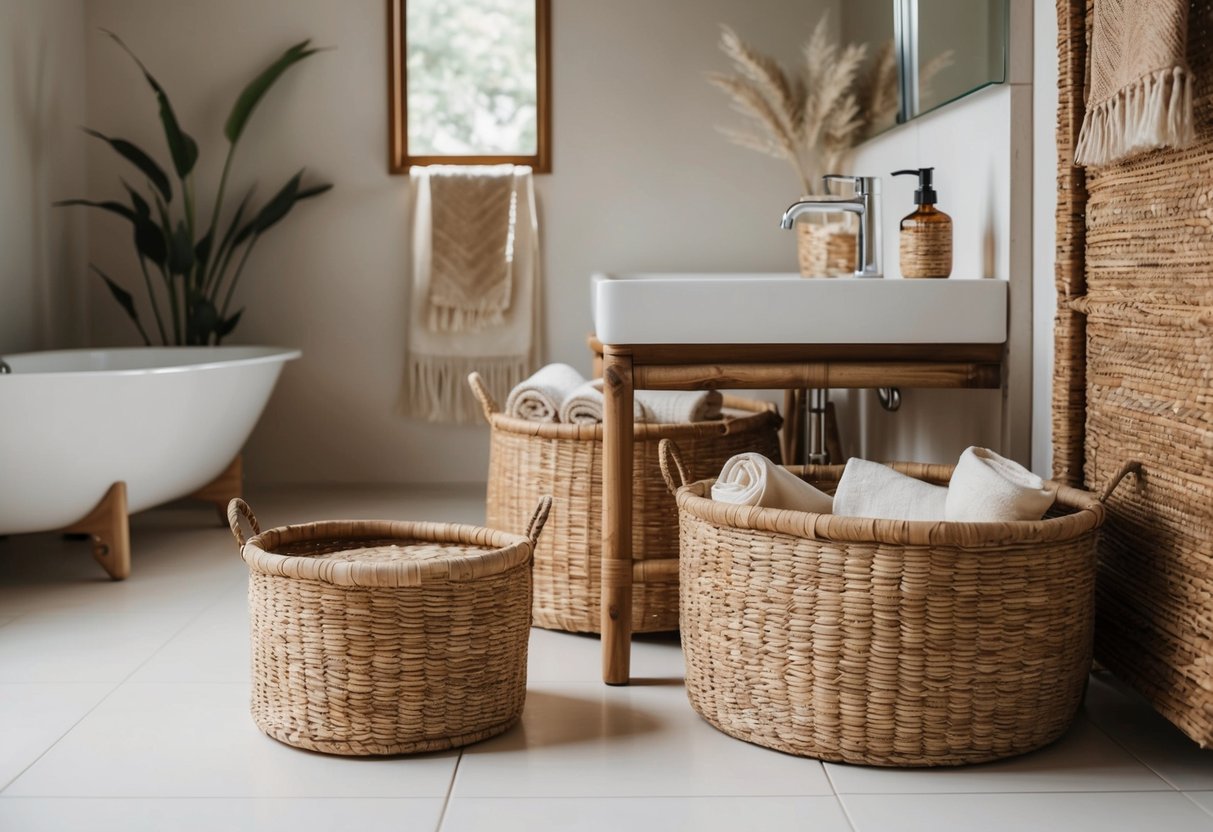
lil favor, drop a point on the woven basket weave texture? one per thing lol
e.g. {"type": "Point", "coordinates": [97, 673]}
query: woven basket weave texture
{"type": "Point", "coordinates": [376, 637]}
{"type": "Point", "coordinates": [528, 459]}
{"type": "Point", "coordinates": [882, 642]}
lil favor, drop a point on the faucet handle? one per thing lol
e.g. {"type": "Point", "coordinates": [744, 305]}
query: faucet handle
{"type": "Point", "coordinates": [863, 185]}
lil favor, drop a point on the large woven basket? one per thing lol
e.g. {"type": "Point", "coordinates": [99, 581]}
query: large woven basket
{"type": "Point", "coordinates": [528, 459]}
{"type": "Point", "coordinates": [885, 642]}
{"type": "Point", "coordinates": [377, 637]}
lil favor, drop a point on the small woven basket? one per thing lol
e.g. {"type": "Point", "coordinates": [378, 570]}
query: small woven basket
{"type": "Point", "coordinates": [885, 642]}
{"type": "Point", "coordinates": [527, 459]}
{"type": "Point", "coordinates": [377, 637]}
{"type": "Point", "coordinates": [825, 249]}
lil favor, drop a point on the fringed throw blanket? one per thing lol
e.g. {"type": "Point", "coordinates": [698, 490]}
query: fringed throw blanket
{"type": "Point", "coordinates": [473, 211]}
{"type": "Point", "coordinates": [1141, 87]}
{"type": "Point", "coordinates": [504, 353]}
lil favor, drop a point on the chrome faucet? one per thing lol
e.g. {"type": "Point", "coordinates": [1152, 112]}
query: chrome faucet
{"type": "Point", "coordinates": [865, 203]}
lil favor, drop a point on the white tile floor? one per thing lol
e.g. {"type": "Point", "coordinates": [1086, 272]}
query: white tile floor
{"type": "Point", "coordinates": [123, 706]}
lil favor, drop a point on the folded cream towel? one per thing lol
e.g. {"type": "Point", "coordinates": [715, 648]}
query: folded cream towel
{"type": "Point", "coordinates": [538, 398]}
{"type": "Point", "coordinates": [986, 487]}
{"type": "Point", "coordinates": [869, 489]}
{"type": "Point", "coordinates": [585, 404]}
{"type": "Point", "coordinates": [679, 406]}
{"type": "Point", "coordinates": [753, 480]}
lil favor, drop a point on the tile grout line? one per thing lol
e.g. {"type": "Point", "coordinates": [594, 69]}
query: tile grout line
{"type": "Point", "coordinates": [450, 792]}
{"type": "Point", "coordinates": [4, 786]}
{"type": "Point", "coordinates": [1116, 741]}
{"type": "Point", "coordinates": [846, 813]}
{"type": "Point", "coordinates": [1190, 799]}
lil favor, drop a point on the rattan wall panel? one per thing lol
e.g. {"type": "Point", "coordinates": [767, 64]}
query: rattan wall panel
{"type": "Point", "coordinates": [1145, 305]}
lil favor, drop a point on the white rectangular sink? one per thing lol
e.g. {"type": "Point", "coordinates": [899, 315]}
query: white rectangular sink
{"type": "Point", "coordinates": [789, 309]}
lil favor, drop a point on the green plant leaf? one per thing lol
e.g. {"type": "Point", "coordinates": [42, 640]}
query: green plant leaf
{"type": "Point", "coordinates": [125, 300]}
{"type": "Point", "coordinates": [202, 251]}
{"type": "Point", "coordinates": [139, 159]}
{"type": "Point", "coordinates": [202, 321]}
{"type": "Point", "coordinates": [279, 204]}
{"type": "Point", "coordinates": [181, 146]}
{"type": "Point", "coordinates": [259, 86]}
{"type": "Point", "coordinates": [180, 250]}
{"type": "Point", "coordinates": [137, 200]}
{"type": "Point", "coordinates": [226, 327]}
{"type": "Point", "coordinates": [149, 240]}
{"type": "Point", "coordinates": [109, 205]}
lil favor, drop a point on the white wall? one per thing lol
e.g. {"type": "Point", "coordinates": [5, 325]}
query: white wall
{"type": "Point", "coordinates": [1044, 206]}
{"type": "Point", "coordinates": [41, 160]}
{"type": "Point", "coordinates": [981, 148]}
{"type": "Point", "coordinates": [641, 181]}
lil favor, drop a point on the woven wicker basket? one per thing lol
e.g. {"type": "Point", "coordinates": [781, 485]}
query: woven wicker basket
{"type": "Point", "coordinates": [885, 642]}
{"type": "Point", "coordinates": [377, 637]}
{"type": "Point", "coordinates": [527, 459]}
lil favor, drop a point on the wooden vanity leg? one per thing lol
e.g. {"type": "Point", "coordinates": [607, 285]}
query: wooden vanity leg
{"type": "Point", "coordinates": [617, 517]}
{"type": "Point", "coordinates": [109, 527]}
{"type": "Point", "coordinates": [224, 488]}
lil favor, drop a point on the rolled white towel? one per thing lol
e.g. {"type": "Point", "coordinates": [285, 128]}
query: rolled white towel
{"type": "Point", "coordinates": [538, 398]}
{"type": "Point", "coordinates": [753, 480]}
{"type": "Point", "coordinates": [869, 489]}
{"type": "Point", "coordinates": [678, 406]}
{"type": "Point", "coordinates": [585, 405]}
{"type": "Point", "coordinates": [987, 488]}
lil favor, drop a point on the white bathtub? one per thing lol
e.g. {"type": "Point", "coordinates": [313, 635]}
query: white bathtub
{"type": "Point", "coordinates": [164, 420]}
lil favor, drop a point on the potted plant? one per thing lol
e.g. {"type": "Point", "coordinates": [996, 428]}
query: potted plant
{"type": "Point", "coordinates": [190, 267]}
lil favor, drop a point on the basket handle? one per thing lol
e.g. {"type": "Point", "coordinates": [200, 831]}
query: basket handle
{"type": "Point", "coordinates": [670, 459]}
{"type": "Point", "coordinates": [235, 509]}
{"type": "Point", "coordinates": [1133, 466]}
{"type": "Point", "coordinates": [540, 516]}
{"type": "Point", "coordinates": [487, 403]}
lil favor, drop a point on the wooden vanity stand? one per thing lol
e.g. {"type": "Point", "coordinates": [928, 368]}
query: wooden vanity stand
{"type": "Point", "coordinates": [630, 367]}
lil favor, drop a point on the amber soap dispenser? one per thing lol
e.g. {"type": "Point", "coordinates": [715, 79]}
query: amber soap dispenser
{"type": "Point", "coordinates": [926, 234]}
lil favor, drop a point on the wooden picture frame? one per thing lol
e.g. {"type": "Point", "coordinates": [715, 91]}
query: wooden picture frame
{"type": "Point", "coordinates": [399, 159]}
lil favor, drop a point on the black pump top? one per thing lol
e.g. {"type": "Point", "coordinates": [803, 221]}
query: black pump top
{"type": "Point", "coordinates": [925, 195]}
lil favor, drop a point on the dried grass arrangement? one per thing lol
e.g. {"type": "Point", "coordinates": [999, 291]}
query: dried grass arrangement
{"type": "Point", "coordinates": [815, 115]}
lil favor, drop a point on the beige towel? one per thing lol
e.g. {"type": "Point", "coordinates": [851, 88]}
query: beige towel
{"type": "Point", "coordinates": [753, 480]}
{"type": "Point", "coordinates": [538, 399]}
{"type": "Point", "coordinates": [987, 488]}
{"type": "Point", "coordinates": [474, 209]}
{"type": "Point", "coordinates": [869, 489]}
{"type": "Point", "coordinates": [438, 363]}
{"type": "Point", "coordinates": [1140, 94]}
{"type": "Point", "coordinates": [680, 406]}
{"type": "Point", "coordinates": [585, 405]}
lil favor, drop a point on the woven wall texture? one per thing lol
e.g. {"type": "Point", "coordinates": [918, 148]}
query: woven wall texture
{"type": "Point", "coordinates": [1134, 380]}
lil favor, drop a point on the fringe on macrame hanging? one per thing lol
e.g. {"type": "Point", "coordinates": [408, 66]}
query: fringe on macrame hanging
{"type": "Point", "coordinates": [1153, 112]}
{"type": "Point", "coordinates": [436, 387]}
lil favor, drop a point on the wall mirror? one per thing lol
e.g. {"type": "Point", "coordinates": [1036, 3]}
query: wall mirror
{"type": "Point", "coordinates": [945, 49]}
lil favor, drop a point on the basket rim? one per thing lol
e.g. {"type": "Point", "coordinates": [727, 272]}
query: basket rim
{"type": "Point", "coordinates": [505, 551]}
{"type": "Point", "coordinates": [759, 414]}
{"type": "Point", "coordinates": [1088, 515]}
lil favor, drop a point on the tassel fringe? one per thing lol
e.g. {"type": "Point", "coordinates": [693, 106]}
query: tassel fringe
{"type": "Point", "coordinates": [436, 387]}
{"type": "Point", "coordinates": [1154, 111]}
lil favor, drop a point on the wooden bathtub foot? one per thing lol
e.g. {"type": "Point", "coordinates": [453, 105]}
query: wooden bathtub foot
{"type": "Point", "coordinates": [109, 527]}
{"type": "Point", "coordinates": [223, 489]}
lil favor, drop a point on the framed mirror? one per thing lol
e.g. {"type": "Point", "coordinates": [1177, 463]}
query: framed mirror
{"type": "Point", "coordinates": [945, 49]}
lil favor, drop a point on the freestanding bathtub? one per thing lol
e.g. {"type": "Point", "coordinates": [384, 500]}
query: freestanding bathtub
{"type": "Point", "coordinates": [87, 436]}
